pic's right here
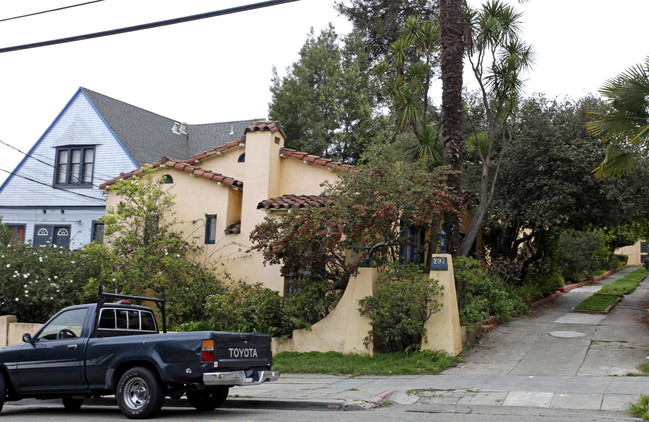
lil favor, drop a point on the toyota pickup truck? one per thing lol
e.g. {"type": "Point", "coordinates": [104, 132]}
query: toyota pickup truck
{"type": "Point", "coordinates": [115, 348]}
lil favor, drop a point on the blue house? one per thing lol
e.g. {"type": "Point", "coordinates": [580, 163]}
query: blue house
{"type": "Point", "coordinates": [53, 198]}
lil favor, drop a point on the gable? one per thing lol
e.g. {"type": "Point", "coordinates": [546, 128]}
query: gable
{"type": "Point", "coordinates": [78, 124]}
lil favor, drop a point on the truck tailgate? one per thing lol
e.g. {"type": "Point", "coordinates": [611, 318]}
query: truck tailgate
{"type": "Point", "coordinates": [241, 350]}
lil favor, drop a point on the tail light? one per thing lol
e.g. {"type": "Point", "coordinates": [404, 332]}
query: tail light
{"type": "Point", "coordinates": [207, 351]}
{"type": "Point", "coordinates": [271, 350]}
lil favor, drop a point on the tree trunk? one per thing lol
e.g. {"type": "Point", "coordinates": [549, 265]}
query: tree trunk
{"type": "Point", "coordinates": [452, 31]}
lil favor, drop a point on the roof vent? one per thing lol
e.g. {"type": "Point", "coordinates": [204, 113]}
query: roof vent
{"type": "Point", "coordinates": [231, 130]}
{"type": "Point", "coordinates": [179, 128]}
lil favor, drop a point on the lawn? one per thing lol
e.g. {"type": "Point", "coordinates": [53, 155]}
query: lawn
{"type": "Point", "coordinates": [610, 294]}
{"type": "Point", "coordinates": [334, 363]}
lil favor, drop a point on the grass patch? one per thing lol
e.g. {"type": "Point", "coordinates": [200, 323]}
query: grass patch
{"type": "Point", "coordinates": [597, 303]}
{"type": "Point", "coordinates": [626, 284]}
{"type": "Point", "coordinates": [334, 363]}
{"type": "Point", "coordinates": [610, 294]}
{"type": "Point", "coordinates": [639, 408]}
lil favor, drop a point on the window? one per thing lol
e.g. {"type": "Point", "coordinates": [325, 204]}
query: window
{"type": "Point", "coordinates": [413, 248]}
{"type": "Point", "coordinates": [126, 320]}
{"type": "Point", "coordinates": [167, 179]}
{"type": "Point", "coordinates": [242, 158]}
{"type": "Point", "coordinates": [97, 234]}
{"type": "Point", "coordinates": [74, 165]}
{"type": "Point", "coordinates": [210, 229]}
{"type": "Point", "coordinates": [18, 231]}
{"type": "Point", "coordinates": [68, 324]}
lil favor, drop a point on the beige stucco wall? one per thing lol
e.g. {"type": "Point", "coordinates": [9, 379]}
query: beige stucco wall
{"type": "Point", "coordinates": [265, 174]}
{"type": "Point", "coordinates": [344, 329]}
{"type": "Point", "coordinates": [11, 331]}
{"type": "Point", "coordinates": [443, 330]}
{"type": "Point", "coordinates": [634, 252]}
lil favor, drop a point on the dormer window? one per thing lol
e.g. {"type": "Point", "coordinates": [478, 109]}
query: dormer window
{"type": "Point", "coordinates": [74, 165]}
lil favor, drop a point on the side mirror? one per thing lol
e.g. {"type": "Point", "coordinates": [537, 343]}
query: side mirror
{"type": "Point", "coordinates": [27, 338]}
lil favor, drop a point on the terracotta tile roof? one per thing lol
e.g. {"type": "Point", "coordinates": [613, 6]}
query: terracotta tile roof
{"type": "Point", "coordinates": [234, 228]}
{"type": "Point", "coordinates": [313, 159]}
{"type": "Point", "coordinates": [183, 166]}
{"type": "Point", "coordinates": [273, 126]}
{"type": "Point", "coordinates": [216, 151]}
{"type": "Point", "coordinates": [293, 201]}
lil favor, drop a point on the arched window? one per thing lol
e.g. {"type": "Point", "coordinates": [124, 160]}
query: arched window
{"type": "Point", "coordinates": [167, 179]}
{"type": "Point", "coordinates": [242, 158]}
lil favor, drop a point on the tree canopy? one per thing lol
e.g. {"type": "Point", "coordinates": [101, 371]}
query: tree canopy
{"type": "Point", "coordinates": [326, 100]}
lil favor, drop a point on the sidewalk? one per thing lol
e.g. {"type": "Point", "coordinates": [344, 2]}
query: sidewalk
{"type": "Point", "coordinates": [552, 358]}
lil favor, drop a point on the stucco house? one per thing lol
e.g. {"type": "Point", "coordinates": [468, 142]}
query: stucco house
{"type": "Point", "coordinates": [226, 191]}
{"type": "Point", "coordinates": [53, 195]}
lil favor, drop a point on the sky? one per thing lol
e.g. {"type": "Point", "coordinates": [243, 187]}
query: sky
{"type": "Point", "coordinates": [220, 69]}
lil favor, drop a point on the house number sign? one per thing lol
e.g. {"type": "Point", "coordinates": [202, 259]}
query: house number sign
{"type": "Point", "coordinates": [439, 263]}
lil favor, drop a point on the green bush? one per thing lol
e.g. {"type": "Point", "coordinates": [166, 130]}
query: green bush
{"type": "Point", "coordinates": [308, 303]}
{"type": "Point", "coordinates": [37, 282]}
{"type": "Point", "coordinates": [484, 295]}
{"type": "Point", "coordinates": [617, 262]}
{"type": "Point", "coordinates": [249, 308]}
{"type": "Point", "coordinates": [582, 253]}
{"type": "Point", "coordinates": [538, 285]}
{"type": "Point", "coordinates": [404, 301]}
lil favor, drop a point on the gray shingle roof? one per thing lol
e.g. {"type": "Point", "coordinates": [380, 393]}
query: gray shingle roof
{"type": "Point", "coordinates": [147, 136]}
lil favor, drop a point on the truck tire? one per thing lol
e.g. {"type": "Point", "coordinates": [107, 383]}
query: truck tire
{"type": "Point", "coordinates": [72, 404]}
{"type": "Point", "coordinates": [209, 398]}
{"type": "Point", "coordinates": [139, 393]}
{"type": "Point", "coordinates": [3, 390]}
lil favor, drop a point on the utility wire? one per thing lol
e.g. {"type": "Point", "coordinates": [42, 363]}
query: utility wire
{"type": "Point", "coordinates": [45, 162]}
{"type": "Point", "coordinates": [151, 25]}
{"type": "Point", "coordinates": [49, 185]}
{"type": "Point", "coordinates": [50, 10]}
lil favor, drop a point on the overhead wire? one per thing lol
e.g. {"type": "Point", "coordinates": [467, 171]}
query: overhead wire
{"type": "Point", "coordinates": [49, 10]}
{"type": "Point", "coordinates": [49, 185]}
{"type": "Point", "coordinates": [26, 154]}
{"type": "Point", "coordinates": [150, 25]}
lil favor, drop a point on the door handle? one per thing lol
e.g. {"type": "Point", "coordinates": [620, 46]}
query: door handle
{"type": "Point", "coordinates": [72, 346]}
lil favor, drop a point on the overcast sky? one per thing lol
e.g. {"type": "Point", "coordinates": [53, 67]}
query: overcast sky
{"type": "Point", "coordinates": [219, 69]}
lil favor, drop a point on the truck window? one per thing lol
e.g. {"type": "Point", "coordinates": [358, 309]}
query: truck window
{"type": "Point", "coordinates": [122, 319]}
{"type": "Point", "coordinates": [133, 320]}
{"type": "Point", "coordinates": [148, 323]}
{"type": "Point", "coordinates": [107, 319]}
{"type": "Point", "coordinates": [66, 325]}
{"type": "Point", "coordinates": [126, 320]}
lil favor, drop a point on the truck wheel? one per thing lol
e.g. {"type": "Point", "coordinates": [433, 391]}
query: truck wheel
{"type": "Point", "coordinates": [3, 390]}
{"type": "Point", "coordinates": [72, 404]}
{"type": "Point", "coordinates": [209, 398]}
{"type": "Point", "coordinates": [139, 393]}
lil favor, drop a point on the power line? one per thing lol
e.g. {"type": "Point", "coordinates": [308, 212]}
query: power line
{"type": "Point", "coordinates": [49, 185]}
{"type": "Point", "coordinates": [50, 10]}
{"type": "Point", "coordinates": [151, 25]}
{"type": "Point", "coordinates": [47, 163]}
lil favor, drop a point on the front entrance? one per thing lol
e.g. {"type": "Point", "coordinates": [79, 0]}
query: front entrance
{"type": "Point", "coordinates": [48, 235]}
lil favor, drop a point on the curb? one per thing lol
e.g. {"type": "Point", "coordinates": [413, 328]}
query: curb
{"type": "Point", "coordinates": [252, 403]}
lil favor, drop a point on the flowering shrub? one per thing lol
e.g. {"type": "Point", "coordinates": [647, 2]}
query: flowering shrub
{"type": "Point", "coordinates": [368, 206]}
{"type": "Point", "coordinates": [37, 282]}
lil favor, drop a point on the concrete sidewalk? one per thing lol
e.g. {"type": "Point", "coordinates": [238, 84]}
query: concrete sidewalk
{"type": "Point", "coordinates": [552, 358]}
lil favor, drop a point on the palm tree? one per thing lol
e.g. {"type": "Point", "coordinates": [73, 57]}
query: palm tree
{"type": "Point", "coordinates": [625, 126]}
{"type": "Point", "coordinates": [452, 38]}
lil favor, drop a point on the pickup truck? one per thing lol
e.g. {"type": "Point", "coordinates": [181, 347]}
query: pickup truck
{"type": "Point", "coordinates": [115, 348]}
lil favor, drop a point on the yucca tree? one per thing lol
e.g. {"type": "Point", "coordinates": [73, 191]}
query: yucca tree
{"type": "Point", "coordinates": [405, 77]}
{"type": "Point", "coordinates": [626, 125]}
{"type": "Point", "coordinates": [498, 59]}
